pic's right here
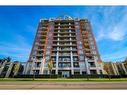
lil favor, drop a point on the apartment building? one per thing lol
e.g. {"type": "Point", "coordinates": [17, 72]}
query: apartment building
{"type": "Point", "coordinates": [69, 43]}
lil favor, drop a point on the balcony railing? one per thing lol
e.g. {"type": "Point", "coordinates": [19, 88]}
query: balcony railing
{"type": "Point", "coordinates": [66, 54]}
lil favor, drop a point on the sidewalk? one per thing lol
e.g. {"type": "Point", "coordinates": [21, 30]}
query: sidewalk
{"type": "Point", "coordinates": [63, 85]}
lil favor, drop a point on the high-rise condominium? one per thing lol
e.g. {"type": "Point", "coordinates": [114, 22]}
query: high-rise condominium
{"type": "Point", "coordinates": [70, 46]}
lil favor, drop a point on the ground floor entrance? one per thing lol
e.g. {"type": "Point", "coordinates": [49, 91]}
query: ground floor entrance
{"type": "Point", "coordinates": [64, 74]}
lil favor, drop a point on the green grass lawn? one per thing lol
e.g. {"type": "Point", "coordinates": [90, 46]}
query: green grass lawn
{"type": "Point", "coordinates": [63, 80]}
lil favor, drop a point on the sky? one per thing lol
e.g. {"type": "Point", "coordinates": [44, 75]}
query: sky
{"type": "Point", "coordinates": [18, 25]}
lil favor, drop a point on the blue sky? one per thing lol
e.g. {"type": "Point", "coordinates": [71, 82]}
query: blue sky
{"type": "Point", "coordinates": [18, 25]}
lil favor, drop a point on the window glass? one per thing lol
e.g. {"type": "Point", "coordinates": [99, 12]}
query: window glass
{"type": "Point", "coordinates": [81, 52]}
{"type": "Point", "coordinates": [82, 64]}
{"type": "Point", "coordinates": [81, 57]}
{"type": "Point", "coordinates": [80, 46]}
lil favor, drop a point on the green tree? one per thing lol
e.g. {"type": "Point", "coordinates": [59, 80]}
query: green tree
{"type": "Point", "coordinates": [16, 68]}
{"type": "Point", "coordinates": [50, 66]}
{"type": "Point", "coordinates": [107, 69]}
{"type": "Point", "coordinates": [125, 63]}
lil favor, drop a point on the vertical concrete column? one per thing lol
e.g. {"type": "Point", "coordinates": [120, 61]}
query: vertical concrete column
{"type": "Point", "coordinates": [87, 66]}
{"type": "Point", "coordinates": [96, 64]}
{"type": "Point", "coordinates": [9, 70]}
{"type": "Point", "coordinates": [27, 67]}
{"type": "Point", "coordinates": [72, 66]}
{"type": "Point", "coordinates": [57, 62]}
{"type": "Point", "coordinates": [42, 66]}
{"type": "Point", "coordinates": [70, 38]}
{"type": "Point", "coordinates": [114, 70]}
{"type": "Point", "coordinates": [80, 71]}
{"type": "Point", "coordinates": [102, 65]}
{"type": "Point", "coordinates": [32, 67]}
{"type": "Point", "coordinates": [48, 72]}
{"type": "Point", "coordinates": [2, 67]}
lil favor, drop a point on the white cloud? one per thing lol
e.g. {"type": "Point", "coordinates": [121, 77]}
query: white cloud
{"type": "Point", "coordinates": [114, 31]}
{"type": "Point", "coordinates": [117, 34]}
{"type": "Point", "coordinates": [100, 35]}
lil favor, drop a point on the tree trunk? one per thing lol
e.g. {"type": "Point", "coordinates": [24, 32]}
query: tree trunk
{"type": "Point", "coordinates": [50, 73]}
{"type": "Point", "coordinates": [109, 76]}
{"type": "Point", "coordinates": [34, 75]}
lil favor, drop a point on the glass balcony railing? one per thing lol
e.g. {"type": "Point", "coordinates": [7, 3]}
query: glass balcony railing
{"type": "Point", "coordinates": [92, 66]}
{"type": "Point", "coordinates": [64, 49]}
{"type": "Point", "coordinates": [65, 54]}
{"type": "Point", "coordinates": [64, 66]}
{"type": "Point", "coordinates": [64, 60]}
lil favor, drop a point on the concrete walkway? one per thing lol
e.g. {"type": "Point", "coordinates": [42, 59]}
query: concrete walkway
{"type": "Point", "coordinates": [63, 85]}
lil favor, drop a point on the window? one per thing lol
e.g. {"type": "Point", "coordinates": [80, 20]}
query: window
{"type": "Point", "coordinates": [36, 72]}
{"type": "Point", "coordinates": [86, 20]}
{"type": "Point", "coordinates": [92, 65]}
{"type": "Point", "coordinates": [51, 24]}
{"type": "Point", "coordinates": [93, 71]}
{"type": "Point", "coordinates": [80, 46]}
{"type": "Point", "coordinates": [76, 72]}
{"type": "Point", "coordinates": [90, 34]}
{"type": "Point", "coordinates": [92, 47]}
{"type": "Point", "coordinates": [94, 52]}
{"type": "Point", "coordinates": [45, 72]}
{"type": "Point", "coordinates": [76, 64]}
{"type": "Point", "coordinates": [81, 58]}
{"type": "Point", "coordinates": [77, 26]}
{"type": "Point", "coordinates": [78, 31]}
{"type": "Point", "coordinates": [54, 64]}
{"type": "Point", "coordinates": [38, 64]}
{"type": "Point", "coordinates": [75, 59]}
{"type": "Point", "coordinates": [47, 57]}
{"type": "Point", "coordinates": [90, 38]}
{"type": "Point", "coordinates": [45, 64]}
{"type": "Point", "coordinates": [82, 64]}
{"type": "Point", "coordinates": [48, 52]}
{"type": "Point", "coordinates": [76, 23]}
{"type": "Point", "coordinates": [84, 72]}
{"type": "Point", "coordinates": [81, 52]}
{"type": "Point", "coordinates": [79, 38]}
{"type": "Point", "coordinates": [91, 43]}
{"type": "Point", "coordinates": [79, 42]}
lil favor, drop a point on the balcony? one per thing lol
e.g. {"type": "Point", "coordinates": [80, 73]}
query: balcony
{"type": "Point", "coordinates": [64, 54]}
{"type": "Point", "coordinates": [40, 49]}
{"type": "Point", "coordinates": [89, 54]}
{"type": "Point", "coordinates": [64, 60]}
{"type": "Point", "coordinates": [42, 40]}
{"type": "Point", "coordinates": [39, 54]}
{"type": "Point", "coordinates": [64, 49]}
{"type": "Point", "coordinates": [90, 60]}
{"type": "Point", "coordinates": [64, 65]}
{"type": "Point", "coordinates": [92, 65]}
{"type": "Point", "coordinates": [54, 54]}
{"type": "Point", "coordinates": [75, 54]}
{"type": "Point", "coordinates": [41, 45]}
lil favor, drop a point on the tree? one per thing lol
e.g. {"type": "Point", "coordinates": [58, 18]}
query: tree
{"type": "Point", "coordinates": [107, 69]}
{"type": "Point", "coordinates": [16, 68]}
{"type": "Point", "coordinates": [125, 63]}
{"type": "Point", "coordinates": [2, 60]}
{"type": "Point", "coordinates": [50, 66]}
